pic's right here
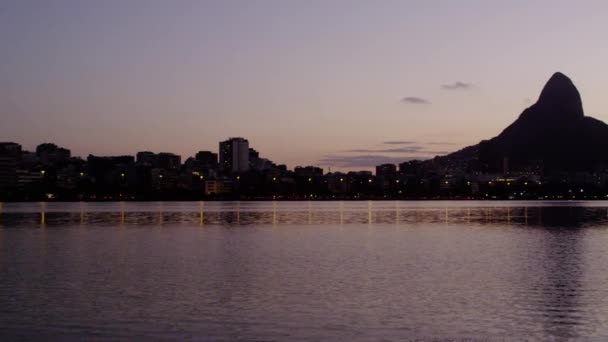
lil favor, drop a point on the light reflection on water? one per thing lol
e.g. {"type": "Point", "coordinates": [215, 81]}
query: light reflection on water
{"type": "Point", "coordinates": [307, 213]}
{"type": "Point", "coordinates": [304, 270]}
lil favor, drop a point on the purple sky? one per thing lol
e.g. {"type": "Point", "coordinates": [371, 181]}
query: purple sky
{"type": "Point", "coordinates": [307, 82]}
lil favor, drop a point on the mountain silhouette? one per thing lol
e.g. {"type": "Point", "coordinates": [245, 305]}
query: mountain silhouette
{"type": "Point", "coordinates": [552, 135]}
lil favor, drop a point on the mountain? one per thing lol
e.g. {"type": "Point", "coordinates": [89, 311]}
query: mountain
{"type": "Point", "coordinates": [552, 135]}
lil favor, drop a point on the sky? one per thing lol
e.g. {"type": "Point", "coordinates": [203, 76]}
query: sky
{"type": "Point", "coordinates": [346, 84]}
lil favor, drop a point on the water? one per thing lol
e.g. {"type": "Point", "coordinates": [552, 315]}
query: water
{"type": "Point", "coordinates": [308, 271]}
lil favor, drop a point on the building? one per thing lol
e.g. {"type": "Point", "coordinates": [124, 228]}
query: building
{"type": "Point", "coordinates": [386, 175]}
{"type": "Point", "coordinates": [10, 156]}
{"type": "Point", "coordinates": [253, 154]}
{"type": "Point", "coordinates": [169, 161]}
{"type": "Point", "coordinates": [218, 187]}
{"type": "Point", "coordinates": [262, 164]}
{"type": "Point", "coordinates": [51, 154]}
{"type": "Point", "coordinates": [147, 158]}
{"type": "Point", "coordinates": [234, 155]}
{"type": "Point", "coordinates": [308, 171]}
{"type": "Point", "coordinates": [106, 172]}
{"type": "Point", "coordinates": [206, 160]}
{"type": "Point", "coordinates": [28, 179]}
{"type": "Point", "coordinates": [163, 160]}
{"type": "Point", "coordinates": [337, 183]}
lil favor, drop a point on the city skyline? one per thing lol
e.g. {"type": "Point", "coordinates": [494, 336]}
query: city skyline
{"type": "Point", "coordinates": [336, 84]}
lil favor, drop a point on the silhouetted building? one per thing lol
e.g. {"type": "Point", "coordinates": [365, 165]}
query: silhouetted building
{"type": "Point", "coordinates": [147, 158]}
{"type": "Point", "coordinates": [337, 183]}
{"type": "Point", "coordinates": [27, 180]}
{"type": "Point", "coordinates": [386, 174]}
{"type": "Point", "coordinates": [10, 156]}
{"type": "Point", "coordinates": [262, 164]}
{"type": "Point", "coordinates": [110, 173]}
{"type": "Point", "coordinates": [253, 154]}
{"type": "Point", "coordinates": [29, 160]}
{"type": "Point", "coordinates": [169, 161]}
{"type": "Point", "coordinates": [51, 154]}
{"type": "Point", "coordinates": [234, 155]}
{"type": "Point", "coordinates": [218, 187]}
{"type": "Point", "coordinates": [411, 168]}
{"type": "Point", "coordinates": [308, 171]}
{"type": "Point", "coordinates": [360, 182]}
{"type": "Point", "coordinates": [207, 160]}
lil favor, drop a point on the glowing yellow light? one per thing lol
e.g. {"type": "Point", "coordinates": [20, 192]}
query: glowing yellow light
{"type": "Point", "coordinates": [274, 179]}
{"type": "Point", "coordinates": [369, 180]}
{"type": "Point", "coordinates": [341, 179]}
{"type": "Point", "coordinates": [122, 175]}
{"type": "Point", "coordinates": [81, 174]}
{"type": "Point", "coordinates": [42, 172]}
{"type": "Point", "coordinates": [397, 181]}
{"type": "Point", "coordinates": [201, 177]}
{"type": "Point", "coordinates": [238, 177]}
{"type": "Point", "coordinates": [161, 176]}
{"type": "Point", "coordinates": [310, 179]}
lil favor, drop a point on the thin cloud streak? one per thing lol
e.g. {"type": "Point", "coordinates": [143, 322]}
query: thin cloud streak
{"type": "Point", "coordinates": [409, 142]}
{"type": "Point", "coordinates": [441, 143]}
{"type": "Point", "coordinates": [362, 160]}
{"type": "Point", "coordinates": [458, 85]}
{"type": "Point", "coordinates": [410, 149]}
{"type": "Point", "coordinates": [415, 100]}
{"type": "Point", "coordinates": [399, 142]}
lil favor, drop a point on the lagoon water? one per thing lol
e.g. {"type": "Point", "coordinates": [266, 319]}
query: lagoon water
{"type": "Point", "coordinates": [304, 271]}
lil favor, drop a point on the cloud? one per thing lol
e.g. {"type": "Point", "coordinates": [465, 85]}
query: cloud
{"type": "Point", "coordinates": [409, 142]}
{"type": "Point", "coordinates": [440, 143]}
{"type": "Point", "coordinates": [411, 149]}
{"type": "Point", "coordinates": [399, 142]}
{"type": "Point", "coordinates": [414, 100]}
{"type": "Point", "coordinates": [362, 160]}
{"type": "Point", "coordinates": [407, 149]}
{"type": "Point", "coordinates": [457, 86]}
